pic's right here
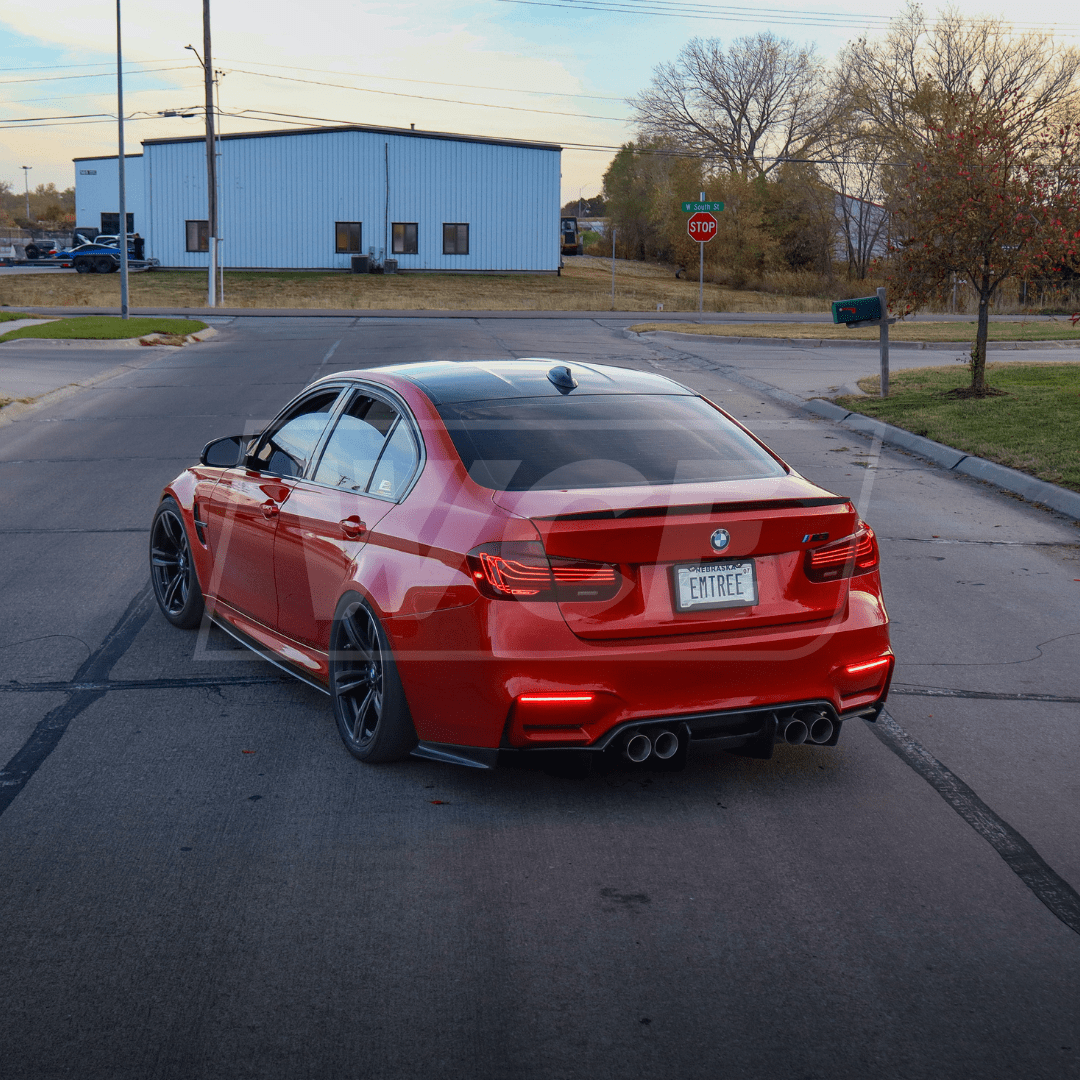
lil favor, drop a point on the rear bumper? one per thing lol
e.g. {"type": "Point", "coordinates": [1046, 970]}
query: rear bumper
{"type": "Point", "coordinates": [530, 684]}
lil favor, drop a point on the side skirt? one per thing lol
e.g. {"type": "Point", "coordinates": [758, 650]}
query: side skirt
{"type": "Point", "coordinates": [265, 652]}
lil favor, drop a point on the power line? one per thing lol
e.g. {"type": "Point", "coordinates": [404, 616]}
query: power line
{"type": "Point", "coordinates": [433, 82]}
{"type": "Point", "coordinates": [428, 97]}
{"type": "Point", "coordinates": [673, 9]}
{"type": "Point", "coordinates": [93, 75]}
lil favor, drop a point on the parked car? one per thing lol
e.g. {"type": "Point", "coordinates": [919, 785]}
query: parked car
{"type": "Point", "coordinates": [477, 560]}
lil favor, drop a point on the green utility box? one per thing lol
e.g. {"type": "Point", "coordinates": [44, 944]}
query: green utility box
{"type": "Point", "coordinates": [862, 309]}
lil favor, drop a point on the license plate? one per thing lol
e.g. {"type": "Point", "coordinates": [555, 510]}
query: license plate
{"type": "Point", "coordinates": [715, 585]}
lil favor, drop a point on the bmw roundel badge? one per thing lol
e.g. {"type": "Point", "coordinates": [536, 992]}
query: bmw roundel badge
{"type": "Point", "coordinates": [720, 539]}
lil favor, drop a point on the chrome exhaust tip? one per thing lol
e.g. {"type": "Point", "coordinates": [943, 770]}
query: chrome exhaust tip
{"type": "Point", "coordinates": [665, 745]}
{"type": "Point", "coordinates": [638, 747]}
{"type": "Point", "coordinates": [795, 732]}
{"type": "Point", "coordinates": [821, 730]}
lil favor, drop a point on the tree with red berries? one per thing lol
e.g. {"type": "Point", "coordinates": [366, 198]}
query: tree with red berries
{"type": "Point", "coordinates": [987, 200]}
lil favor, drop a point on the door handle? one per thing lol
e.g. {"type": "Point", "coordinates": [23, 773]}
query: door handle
{"type": "Point", "coordinates": [352, 527]}
{"type": "Point", "coordinates": [270, 509]}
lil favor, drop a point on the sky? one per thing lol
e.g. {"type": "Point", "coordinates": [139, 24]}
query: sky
{"type": "Point", "coordinates": [552, 70]}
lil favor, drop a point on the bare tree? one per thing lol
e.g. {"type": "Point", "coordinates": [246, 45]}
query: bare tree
{"type": "Point", "coordinates": [741, 109]}
{"type": "Point", "coordinates": [898, 89]}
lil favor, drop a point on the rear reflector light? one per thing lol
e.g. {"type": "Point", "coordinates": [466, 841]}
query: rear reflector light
{"type": "Point", "coordinates": [522, 570]}
{"type": "Point", "coordinates": [851, 556]}
{"type": "Point", "coordinates": [557, 699]}
{"type": "Point", "coordinates": [870, 665]}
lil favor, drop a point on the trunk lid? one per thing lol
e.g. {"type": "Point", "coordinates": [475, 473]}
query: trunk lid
{"type": "Point", "coordinates": [649, 533]}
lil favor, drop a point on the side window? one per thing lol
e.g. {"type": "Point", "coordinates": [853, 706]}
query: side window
{"type": "Point", "coordinates": [355, 444]}
{"type": "Point", "coordinates": [347, 237]}
{"type": "Point", "coordinates": [403, 238]}
{"type": "Point", "coordinates": [397, 464]}
{"type": "Point", "coordinates": [455, 238]}
{"type": "Point", "coordinates": [287, 449]}
{"type": "Point", "coordinates": [196, 235]}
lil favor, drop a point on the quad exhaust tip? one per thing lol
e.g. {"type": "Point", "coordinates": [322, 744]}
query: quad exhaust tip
{"type": "Point", "coordinates": [639, 747]}
{"type": "Point", "coordinates": [665, 745]}
{"type": "Point", "coordinates": [807, 725]}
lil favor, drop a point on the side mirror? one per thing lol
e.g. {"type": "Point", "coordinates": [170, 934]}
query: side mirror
{"type": "Point", "coordinates": [224, 453]}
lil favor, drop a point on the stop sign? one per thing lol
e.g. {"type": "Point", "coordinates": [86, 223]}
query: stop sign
{"type": "Point", "coordinates": [701, 227]}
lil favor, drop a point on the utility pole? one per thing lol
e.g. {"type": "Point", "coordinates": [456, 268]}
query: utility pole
{"type": "Point", "coordinates": [123, 239]}
{"type": "Point", "coordinates": [26, 175]}
{"type": "Point", "coordinates": [211, 164]}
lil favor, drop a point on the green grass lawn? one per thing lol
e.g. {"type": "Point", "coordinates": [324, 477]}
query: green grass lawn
{"type": "Point", "coordinates": [960, 332]}
{"type": "Point", "coordinates": [12, 316]}
{"type": "Point", "coordinates": [106, 328]}
{"type": "Point", "coordinates": [1034, 426]}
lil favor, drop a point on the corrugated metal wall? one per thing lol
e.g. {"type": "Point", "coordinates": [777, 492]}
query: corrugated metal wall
{"type": "Point", "coordinates": [97, 190]}
{"type": "Point", "coordinates": [281, 196]}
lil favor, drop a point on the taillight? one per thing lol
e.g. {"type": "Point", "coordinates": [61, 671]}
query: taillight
{"type": "Point", "coordinates": [849, 557]}
{"type": "Point", "coordinates": [522, 570]}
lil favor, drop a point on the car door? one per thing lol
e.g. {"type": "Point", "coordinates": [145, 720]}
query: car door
{"type": "Point", "coordinates": [364, 465]}
{"type": "Point", "coordinates": [243, 510]}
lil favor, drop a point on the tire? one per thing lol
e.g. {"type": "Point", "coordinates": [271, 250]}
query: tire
{"type": "Point", "coordinates": [580, 249]}
{"type": "Point", "coordinates": [172, 572]}
{"type": "Point", "coordinates": [369, 701]}
{"type": "Point", "coordinates": [103, 265]}
{"type": "Point", "coordinates": [32, 251]}
{"type": "Point", "coordinates": [83, 266]}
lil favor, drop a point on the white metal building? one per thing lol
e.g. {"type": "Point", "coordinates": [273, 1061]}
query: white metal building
{"type": "Point", "coordinates": [97, 193]}
{"type": "Point", "coordinates": [312, 198]}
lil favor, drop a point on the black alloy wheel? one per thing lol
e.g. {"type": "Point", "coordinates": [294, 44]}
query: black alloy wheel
{"type": "Point", "coordinates": [176, 585]}
{"type": "Point", "coordinates": [369, 701]}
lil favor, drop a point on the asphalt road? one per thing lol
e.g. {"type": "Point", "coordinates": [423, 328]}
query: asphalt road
{"type": "Point", "coordinates": [199, 882]}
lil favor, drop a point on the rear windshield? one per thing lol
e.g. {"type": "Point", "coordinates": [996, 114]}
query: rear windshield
{"type": "Point", "coordinates": [616, 440]}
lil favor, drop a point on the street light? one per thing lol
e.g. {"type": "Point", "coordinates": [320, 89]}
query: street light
{"type": "Point", "coordinates": [26, 174]}
{"type": "Point", "coordinates": [211, 164]}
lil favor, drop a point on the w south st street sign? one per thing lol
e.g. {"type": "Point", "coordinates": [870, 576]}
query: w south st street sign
{"type": "Point", "coordinates": [701, 227]}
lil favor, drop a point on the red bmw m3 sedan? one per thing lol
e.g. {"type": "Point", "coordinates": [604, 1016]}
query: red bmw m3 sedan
{"type": "Point", "coordinates": [481, 560]}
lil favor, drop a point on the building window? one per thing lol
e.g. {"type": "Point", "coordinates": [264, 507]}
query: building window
{"type": "Point", "coordinates": [404, 241]}
{"type": "Point", "coordinates": [455, 238]}
{"type": "Point", "coordinates": [347, 237]}
{"type": "Point", "coordinates": [110, 224]}
{"type": "Point", "coordinates": [198, 235]}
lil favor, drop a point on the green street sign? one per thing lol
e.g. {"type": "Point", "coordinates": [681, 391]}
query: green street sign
{"type": "Point", "coordinates": [702, 207]}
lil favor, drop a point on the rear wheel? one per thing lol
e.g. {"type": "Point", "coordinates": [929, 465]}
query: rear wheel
{"type": "Point", "coordinates": [83, 266]}
{"type": "Point", "coordinates": [176, 586]}
{"type": "Point", "coordinates": [103, 265]}
{"type": "Point", "coordinates": [369, 701]}
{"type": "Point", "coordinates": [32, 251]}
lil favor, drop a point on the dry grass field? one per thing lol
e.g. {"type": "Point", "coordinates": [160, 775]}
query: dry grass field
{"type": "Point", "coordinates": [585, 285]}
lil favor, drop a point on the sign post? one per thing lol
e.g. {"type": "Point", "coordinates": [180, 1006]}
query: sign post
{"type": "Point", "coordinates": [701, 227]}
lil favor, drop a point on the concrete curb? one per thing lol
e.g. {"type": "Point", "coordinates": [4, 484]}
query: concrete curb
{"type": "Point", "coordinates": [9, 414]}
{"type": "Point", "coordinates": [92, 343]}
{"type": "Point", "coordinates": [1056, 498]}
{"type": "Point", "coordinates": [840, 343]}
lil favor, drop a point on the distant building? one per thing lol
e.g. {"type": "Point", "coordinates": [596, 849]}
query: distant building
{"type": "Point", "coordinates": [312, 198]}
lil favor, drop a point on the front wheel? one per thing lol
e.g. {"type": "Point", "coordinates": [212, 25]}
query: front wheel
{"type": "Point", "coordinates": [176, 586]}
{"type": "Point", "coordinates": [83, 266]}
{"type": "Point", "coordinates": [369, 701]}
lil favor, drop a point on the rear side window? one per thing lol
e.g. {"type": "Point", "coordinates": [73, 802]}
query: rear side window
{"type": "Point", "coordinates": [360, 457]}
{"type": "Point", "coordinates": [617, 440]}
